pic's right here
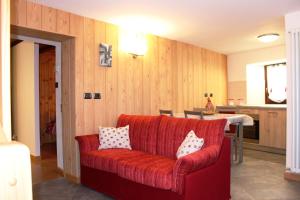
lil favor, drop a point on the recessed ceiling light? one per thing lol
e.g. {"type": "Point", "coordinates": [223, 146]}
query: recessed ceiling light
{"type": "Point", "coordinates": [269, 37]}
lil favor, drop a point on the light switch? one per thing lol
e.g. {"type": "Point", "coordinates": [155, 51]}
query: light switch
{"type": "Point", "coordinates": [97, 95]}
{"type": "Point", "coordinates": [87, 95]}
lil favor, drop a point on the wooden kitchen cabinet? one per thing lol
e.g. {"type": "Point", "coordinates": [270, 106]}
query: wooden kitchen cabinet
{"type": "Point", "coordinates": [248, 111]}
{"type": "Point", "coordinates": [272, 128]}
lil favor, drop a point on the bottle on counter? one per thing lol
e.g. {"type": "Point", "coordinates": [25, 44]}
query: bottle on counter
{"type": "Point", "coordinates": [209, 106]}
{"type": "Point", "coordinates": [230, 102]}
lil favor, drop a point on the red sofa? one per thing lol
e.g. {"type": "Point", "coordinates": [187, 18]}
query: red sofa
{"type": "Point", "coordinates": [150, 170]}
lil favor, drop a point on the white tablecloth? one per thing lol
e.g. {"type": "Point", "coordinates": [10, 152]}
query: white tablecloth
{"type": "Point", "coordinates": [246, 120]}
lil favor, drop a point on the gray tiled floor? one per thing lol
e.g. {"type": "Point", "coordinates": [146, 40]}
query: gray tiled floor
{"type": "Point", "coordinates": [260, 177]}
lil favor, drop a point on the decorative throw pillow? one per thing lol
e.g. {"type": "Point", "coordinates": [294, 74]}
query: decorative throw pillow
{"type": "Point", "coordinates": [111, 137]}
{"type": "Point", "coordinates": [190, 144]}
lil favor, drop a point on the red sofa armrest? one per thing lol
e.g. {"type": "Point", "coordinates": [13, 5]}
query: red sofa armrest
{"type": "Point", "coordinates": [88, 142]}
{"type": "Point", "coordinates": [193, 162]}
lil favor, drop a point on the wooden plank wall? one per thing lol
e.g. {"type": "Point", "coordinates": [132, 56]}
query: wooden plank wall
{"type": "Point", "coordinates": [172, 74]}
{"type": "Point", "coordinates": [47, 92]}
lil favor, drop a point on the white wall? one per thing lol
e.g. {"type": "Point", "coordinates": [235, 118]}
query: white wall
{"type": "Point", "coordinates": [238, 65]}
{"type": "Point", "coordinates": [255, 76]}
{"type": "Point", "coordinates": [256, 90]}
{"type": "Point", "coordinates": [5, 102]}
{"type": "Point", "coordinates": [237, 62]}
{"type": "Point", "coordinates": [24, 86]}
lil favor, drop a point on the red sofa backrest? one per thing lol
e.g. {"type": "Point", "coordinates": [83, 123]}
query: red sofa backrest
{"type": "Point", "coordinates": [163, 135]}
{"type": "Point", "coordinates": [172, 132]}
{"type": "Point", "coordinates": [142, 131]}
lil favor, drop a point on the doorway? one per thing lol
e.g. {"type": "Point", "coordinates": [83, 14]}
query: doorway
{"type": "Point", "coordinates": [36, 102]}
{"type": "Point", "coordinates": [47, 101]}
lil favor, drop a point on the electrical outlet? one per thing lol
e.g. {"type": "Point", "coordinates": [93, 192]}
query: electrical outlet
{"type": "Point", "coordinates": [97, 95]}
{"type": "Point", "coordinates": [87, 95]}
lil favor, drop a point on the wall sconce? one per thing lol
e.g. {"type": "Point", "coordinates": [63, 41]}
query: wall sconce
{"type": "Point", "coordinates": [133, 43]}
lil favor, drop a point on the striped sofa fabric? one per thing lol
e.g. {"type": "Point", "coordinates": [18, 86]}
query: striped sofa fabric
{"type": "Point", "coordinates": [154, 141]}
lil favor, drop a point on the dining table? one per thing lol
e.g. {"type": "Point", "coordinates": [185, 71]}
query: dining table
{"type": "Point", "coordinates": [240, 120]}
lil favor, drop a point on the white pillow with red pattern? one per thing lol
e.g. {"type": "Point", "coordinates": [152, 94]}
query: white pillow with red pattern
{"type": "Point", "coordinates": [111, 137]}
{"type": "Point", "coordinates": [190, 144]}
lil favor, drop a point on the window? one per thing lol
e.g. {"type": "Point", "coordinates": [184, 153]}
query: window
{"type": "Point", "coordinates": [275, 83]}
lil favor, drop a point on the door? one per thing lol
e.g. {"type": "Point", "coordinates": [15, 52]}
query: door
{"type": "Point", "coordinates": [25, 98]}
{"type": "Point", "coordinates": [272, 128]}
{"type": "Point", "coordinates": [57, 95]}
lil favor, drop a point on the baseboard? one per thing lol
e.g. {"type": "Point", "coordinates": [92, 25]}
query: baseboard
{"type": "Point", "coordinates": [291, 176]}
{"type": "Point", "coordinates": [35, 158]}
{"type": "Point", "coordinates": [259, 147]}
{"type": "Point", "coordinates": [60, 171]}
{"type": "Point", "coordinates": [72, 178]}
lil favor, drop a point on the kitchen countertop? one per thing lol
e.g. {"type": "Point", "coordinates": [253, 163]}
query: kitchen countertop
{"type": "Point", "coordinates": [270, 106]}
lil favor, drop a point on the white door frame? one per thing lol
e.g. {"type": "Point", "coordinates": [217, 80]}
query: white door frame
{"type": "Point", "coordinates": [5, 70]}
{"type": "Point", "coordinates": [59, 144]}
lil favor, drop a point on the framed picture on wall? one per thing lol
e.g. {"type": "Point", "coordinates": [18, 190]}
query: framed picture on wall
{"type": "Point", "coordinates": [105, 51]}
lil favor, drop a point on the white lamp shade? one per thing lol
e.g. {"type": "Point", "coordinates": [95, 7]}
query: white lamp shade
{"type": "Point", "coordinates": [133, 43]}
{"type": "Point", "coordinates": [270, 37]}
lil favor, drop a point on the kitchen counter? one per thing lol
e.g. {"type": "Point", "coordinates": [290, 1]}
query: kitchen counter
{"type": "Point", "coordinates": [270, 120]}
{"type": "Point", "coordinates": [265, 106]}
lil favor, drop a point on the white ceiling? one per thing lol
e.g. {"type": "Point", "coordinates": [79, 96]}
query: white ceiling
{"type": "Point", "coordinates": [226, 26]}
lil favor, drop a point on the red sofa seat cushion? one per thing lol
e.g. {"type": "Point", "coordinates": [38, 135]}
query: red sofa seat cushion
{"type": "Point", "coordinates": [172, 132]}
{"type": "Point", "coordinates": [147, 169]}
{"type": "Point", "coordinates": [142, 131]}
{"type": "Point", "coordinates": [107, 159]}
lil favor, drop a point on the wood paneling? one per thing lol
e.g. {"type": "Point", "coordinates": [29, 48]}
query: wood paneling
{"type": "Point", "coordinates": [171, 75]}
{"type": "Point", "coordinates": [76, 28]}
{"type": "Point", "coordinates": [63, 22]}
{"type": "Point", "coordinates": [68, 137]}
{"type": "Point", "coordinates": [150, 60]}
{"type": "Point", "coordinates": [165, 72]}
{"type": "Point", "coordinates": [49, 19]}
{"type": "Point", "coordinates": [33, 15]}
{"type": "Point", "coordinates": [18, 16]}
{"type": "Point", "coordinates": [88, 73]}
{"type": "Point", "coordinates": [111, 90]}
{"type": "Point", "coordinates": [100, 75]}
{"type": "Point", "coordinates": [47, 93]}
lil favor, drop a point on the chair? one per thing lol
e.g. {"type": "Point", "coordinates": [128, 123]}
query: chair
{"type": "Point", "coordinates": [233, 134]}
{"type": "Point", "coordinates": [166, 112]}
{"type": "Point", "coordinates": [187, 113]}
{"type": "Point", "coordinates": [199, 109]}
